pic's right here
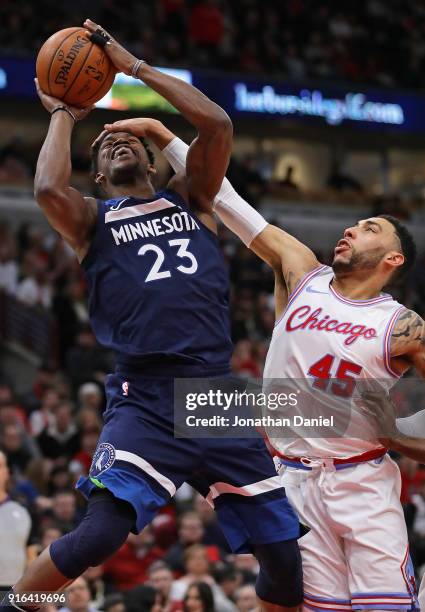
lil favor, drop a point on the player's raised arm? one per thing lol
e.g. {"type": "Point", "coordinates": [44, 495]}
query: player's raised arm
{"type": "Point", "coordinates": [209, 153]}
{"type": "Point", "coordinates": [67, 211]}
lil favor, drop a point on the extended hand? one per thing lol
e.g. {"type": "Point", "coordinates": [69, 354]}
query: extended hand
{"type": "Point", "coordinates": [50, 103]}
{"type": "Point", "coordinates": [122, 59]}
{"type": "Point", "coordinates": [139, 127]}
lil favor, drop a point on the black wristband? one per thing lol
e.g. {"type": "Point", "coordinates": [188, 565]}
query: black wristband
{"type": "Point", "coordinates": [66, 109]}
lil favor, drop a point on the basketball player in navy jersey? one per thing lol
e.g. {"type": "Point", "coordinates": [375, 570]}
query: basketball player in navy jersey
{"type": "Point", "coordinates": [158, 297]}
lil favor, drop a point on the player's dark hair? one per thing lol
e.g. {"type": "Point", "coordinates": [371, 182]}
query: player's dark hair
{"type": "Point", "coordinates": [95, 153]}
{"type": "Point", "coordinates": [408, 247]}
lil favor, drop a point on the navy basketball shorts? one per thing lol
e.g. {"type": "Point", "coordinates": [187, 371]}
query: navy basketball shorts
{"type": "Point", "coordinates": [139, 460]}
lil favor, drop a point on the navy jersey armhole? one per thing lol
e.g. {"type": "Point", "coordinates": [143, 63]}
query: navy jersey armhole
{"type": "Point", "coordinates": [91, 252]}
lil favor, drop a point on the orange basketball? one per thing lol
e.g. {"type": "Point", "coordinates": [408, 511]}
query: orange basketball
{"type": "Point", "coordinates": [70, 67]}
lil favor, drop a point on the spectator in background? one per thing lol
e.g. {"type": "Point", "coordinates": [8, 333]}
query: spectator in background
{"type": "Point", "coordinates": [9, 269]}
{"type": "Point", "coordinates": [61, 439]}
{"type": "Point", "coordinates": [48, 535]}
{"type": "Point", "coordinates": [19, 450]}
{"type": "Point", "coordinates": [64, 511]}
{"type": "Point", "coordinates": [59, 480]}
{"type": "Point", "coordinates": [87, 361]}
{"type": "Point", "coordinates": [243, 361]}
{"type": "Point", "coordinates": [88, 419]}
{"type": "Point", "coordinates": [81, 462]}
{"type": "Point", "coordinates": [35, 289]}
{"type": "Point", "coordinates": [246, 599]}
{"type": "Point", "coordinates": [229, 579]}
{"type": "Point", "coordinates": [78, 597]}
{"type": "Point", "coordinates": [114, 603]}
{"type": "Point", "coordinates": [160, 577]}
{"type": "Point", "coordinates": [44, 417]}
{"type": "Point", "coordinates": [15, 527]}
{"type": "Point", "coordinates": [90, 396]}
{"type": "Point", "coordinates": [129, 566]}
{"type": "Point", "coordinates": [190, 531]}
{"type": "Point", "coordinates": [96, 584]}
{"type": "Point", "coordinates": [70, 308]}
{"type": "Point", "coordinates": [199, 598]}
{"type": "Point", "coordinates": [197, 568]}
{"type": "Point", "coordinates": [247, 564]}
{"type": "Point", "coordinates": [143, 598]}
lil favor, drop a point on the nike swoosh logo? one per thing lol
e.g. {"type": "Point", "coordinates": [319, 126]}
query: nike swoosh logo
{"type": "Point", "coordinates": [116, 206]}
{"type": "Point", "coordinates": [310, 289]}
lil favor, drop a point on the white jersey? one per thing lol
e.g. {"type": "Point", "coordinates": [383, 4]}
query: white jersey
{"type": "Point", "coordinates": [332, 341]}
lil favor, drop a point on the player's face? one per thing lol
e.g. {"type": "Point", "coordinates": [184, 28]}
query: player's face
{"type": "Point", "coordinates": [365, 245]}
{"type": "Point", "coordinates": [121, 155]}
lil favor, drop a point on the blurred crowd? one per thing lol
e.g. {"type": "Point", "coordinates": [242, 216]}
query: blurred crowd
{"type": "Point", "coordinates": [371, 41]}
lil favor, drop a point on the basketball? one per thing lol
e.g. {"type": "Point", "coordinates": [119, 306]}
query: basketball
{"type": "Point", "coordinates": [70, 67]}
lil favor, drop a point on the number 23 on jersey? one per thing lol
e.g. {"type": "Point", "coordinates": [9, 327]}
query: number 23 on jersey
{"type": "Point", "coordinates": [159, 268]}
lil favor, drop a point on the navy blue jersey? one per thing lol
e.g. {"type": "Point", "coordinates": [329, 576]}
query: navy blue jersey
{"type": "Point", "coordinates": [158, 286]}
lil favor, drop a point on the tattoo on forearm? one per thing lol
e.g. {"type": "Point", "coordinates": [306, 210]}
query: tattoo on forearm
{"type": "Point", "coordinates": [409, 328]}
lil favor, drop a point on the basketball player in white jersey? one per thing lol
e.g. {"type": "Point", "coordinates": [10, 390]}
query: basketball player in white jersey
{"type": "Point", "coordinates": [335, 323]}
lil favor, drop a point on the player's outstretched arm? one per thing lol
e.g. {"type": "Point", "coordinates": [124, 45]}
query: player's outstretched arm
{"type": "Point", "coordinates": [67, 211]}
{"type": "Point", "coordinates": [209, 153]}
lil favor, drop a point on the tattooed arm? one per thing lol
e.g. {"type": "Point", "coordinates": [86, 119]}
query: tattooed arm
{"type": "Point", "coordinates": [408, 343]}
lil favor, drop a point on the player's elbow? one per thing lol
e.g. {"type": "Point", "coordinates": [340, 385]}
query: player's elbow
{"type": "Point", "coordinates": [47, 194]}
{"type": "Point", "coordinates": [219, 122]}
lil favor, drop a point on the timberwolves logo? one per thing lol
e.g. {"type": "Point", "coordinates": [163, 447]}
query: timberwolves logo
{"type": "Point", "coordinates": [103, 459]}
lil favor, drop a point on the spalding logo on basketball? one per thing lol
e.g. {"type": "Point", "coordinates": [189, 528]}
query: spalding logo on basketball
{"type": "Point", "coordinates": [70, 67]}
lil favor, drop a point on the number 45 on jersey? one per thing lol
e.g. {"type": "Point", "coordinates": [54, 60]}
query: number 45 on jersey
{"type": "Point", "coordinates": [343, 371]}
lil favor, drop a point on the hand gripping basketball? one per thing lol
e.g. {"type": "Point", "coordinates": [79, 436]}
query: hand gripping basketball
{"type": "Point", "coordinates": [50, 104]}
{"type": "Point", "coordinates": [122, 59]}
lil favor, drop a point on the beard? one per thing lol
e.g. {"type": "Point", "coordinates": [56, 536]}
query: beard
{"type": "Point", "coordinates": [359, 261]}
{"type": "Point", "coordinates": [127, 174]}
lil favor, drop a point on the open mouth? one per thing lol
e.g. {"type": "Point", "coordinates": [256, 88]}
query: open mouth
{"type": "Point", "coordinates": [343, 245]}
{"type": "Point", "coordinates": [121, 151]}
